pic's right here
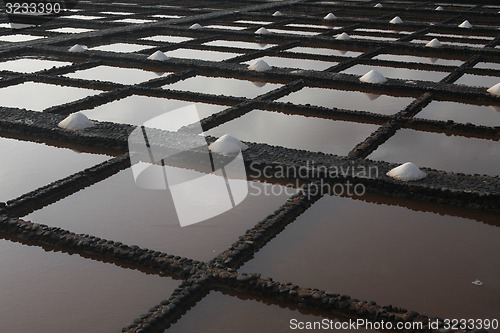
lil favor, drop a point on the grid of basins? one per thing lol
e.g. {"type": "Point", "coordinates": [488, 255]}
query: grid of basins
{"type": "Point", "coordinates": [85, 249]}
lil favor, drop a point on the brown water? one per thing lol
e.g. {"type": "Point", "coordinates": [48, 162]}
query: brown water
{"type": "Point", "coordinates": [201, 54]}
{"type": "Point", "coordinates": [40, 96]}
{"type": "Point", "coordinates": [218, 312]}
{"type": "Point", "coordinates": [116, 74]}
{"type": "Point", "coordinates": [26, 166]}
{"type": "Point", "coordinates": [305, 64]}
{"type": "Point", "coordinates": [461, 113]}
{"type": "Point", "coordinates": [350, 100]}
{"type": "Point", "coordinates": [222, 86]}
{"type": "Point", "coordinates": [118, 209]}
{"type": "Point", "coordinates": [125, 111]}
{"type": "Point", "coordinates": [398, 73]}
{"type": "Point", "coordinates": [299, 132]}
{"type": "Point", "coordinates": [121, 47]}
{"type": "Point", "coordinates": [392, 255]}
{"type": "Point", "coordinates": [30, 65]}
{"type": "Point", "coordinates": [442, 152]}
{"type": "Point", "coordinates": [51, 292]}
{"type": "Point", "coordinates": [478, 80]}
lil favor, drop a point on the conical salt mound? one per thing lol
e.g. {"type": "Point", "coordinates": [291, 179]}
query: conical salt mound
{"type": "Point", "coordinates": [158, 55]}
{"type": "Point", "coordinates": [196, 26]}
{"type": "Point", "coordinates": [396, 20]}
{"type": "Point", "coordinates": [262, 31]}
{"type": "Point", "coordinates": [330, 16]}
{"type": "Point", "coordinates": [495, 90]}
{"type": "Point", "coordinates": [227, 144]}
{"type": "Point", "coordinates": [379, 5]}
{"type": "Point", "coordinates": [373, 76]}
{"type": "Point", "coordinates": [434, 43]}
{"type": "Point", "coordinates": [78, 48]}
{"type": "Point", "coordinates": [343, 36]}
{"type": "Point", "coordinates": [465, 24]}
{"type": "Point", "coordinates": [277, 13]}
{"type": "Point", "coordinates": [439, 8]}
{"type": "Point", "coordinates": [259, 66]}
{"type": "Point", "coordinates": [406, 172]}
{"type": "Point", "coordinates": [75, 121]}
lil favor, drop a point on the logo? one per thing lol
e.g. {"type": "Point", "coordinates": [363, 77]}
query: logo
{"type": "Point", "coordinates": [170, 152]}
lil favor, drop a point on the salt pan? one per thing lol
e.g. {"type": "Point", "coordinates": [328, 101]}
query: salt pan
{"type": "Point", "coordinates": [434, 43]}
{"type": "Point", "coordinates": [158, 55]}
{"type": "Point", "coordinates": [77, 48]}
{"type": "Point", "coordinates": [227, 144]}
{"type": "Point", "coordinates": [379, 5]}
{"type": "Point", "coordinates": [396, 20]}
{"type": "Point", "coordinates": [343, 36]}
{"type": "Point", "coordinates": [330, 16]}
{"type": "Point", "coordinates": [196, 26]}
{"type": "Point", "coordinates": [259, 66]}
{"type": "Point", "coordinates": [277, 13]}
{"type": "Point", "coordinates": [373, 76]}
{"type": "Point", "coordinates": [406, 172]}
{"type": "Point", "coordinates": [75, 121]}
{"type": "Point", "coordinates": [262, 31]}
{"type": "Point", "coordinates": [465, 24]}
{"type": "Point", "coordinates": [495, 90]}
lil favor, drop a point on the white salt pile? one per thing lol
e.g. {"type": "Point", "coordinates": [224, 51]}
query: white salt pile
{"type": "Point", "coordinates": [262, 31]}
{"type": "Point", "coordinates": [330, 16]}
{"type": "Point", "coordinates": [196, 26]}
{"type": "Point", "coordinates": [495, 90]}
{"type": "Point", "coordinates": [158, 55]}
{"type": "Point", "coordinates": [277, 13]}
{"type": "Point", "coordinates": [343, 36]}
{"type": "Point", "coordinates": [227, 144]}
{"type": "Point", "coordinates": [75, 121]}
{"type": "Point", "coordinates": [396, 20]}
{"type": "Point", "coordinates": [379, 5]}
{"type": "Point", "coordinates": [465, 24]}
{"type": "Point", "coordinates": [373, 76]}
{"type": "Point", "coordinates": [77, 48]}
{"type": "Point", "coordinates": [476, 282]}
{"type": "Point", "coordinates": [434, 43]}
{"type": "Point", "coordinates": [406, 172]}
{"type": "Point", "coordinates": [259, 66]}
{"type": "Point", "coordinates": [439, 8]}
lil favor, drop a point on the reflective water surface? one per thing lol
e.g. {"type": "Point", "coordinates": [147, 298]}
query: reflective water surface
{"type": "Point", "coordinates": [398, 73]}
{"type": "Point", "coordinates": [408, 58]}
{"type": "Point", "coordinates": [122, 47]}
{"type": "Point", "coordinates": [166, 38]}
{"type": "Point", "coordinates": [324, 51]}
{"type": "Point", "coordinates": [305, 64]}
{"type": "Point", "coordinates": [201, 54]}
{"type": "Point", "coordinates": [461, 113]}
{"type": "Point", "coordinates": [478, 80]}
{"type": "Point", "coordinates": [115, 74]}
{"type": "Point", "coordinates": [393, 255]}
{"type": "Point", "coordinates": [19, 38]}
{"type": "Point", "coordinates": [30, 65]}
{"type": "Point", "coordinates": [239, 44]}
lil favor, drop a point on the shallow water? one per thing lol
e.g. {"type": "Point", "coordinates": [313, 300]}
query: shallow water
{"type": "Point", "coordinates": [134, 21]}
{"type": "Point", "coordinates": [313, 26]}
{"type": "Point", "coordinates": [116, 74]}
{"type": "Point", "coordinates": [166, 38]}
{"type": "Point", "coordinates": [121, 47]}
{"type": "Point", "coordinates": [225, 27]}
{"type": "Point", "coordinates": [125, 111]}
{"type": "Point", "coordinates": [478, 80]}
{"type": "Point", "coordinates": [19, 38]}
{"type": "Point", "coordinates": [304, 64]}
{"type": "Point", "coordinates": [299, 132]}
{"type": "Point", "coordinates": [118, 209]}
{"type": "Point", "coordinates": [41, 95]}
{"type": "Point", "coordinates": [238, 44]}
{"type": "Point", "coordinates": [252, 22]}
{"type": "Point", "coordinates": [293, 32]}
{"type": "Point", "coordinates": [324, 51]}
{"type": "Point", "coordinates": [84, 17]}
{"type": "Point", "coordinates": [442, 152]}
{"type": "Point", "coordinates": [488, 65]}
{"type": "Point", "coordinates": [218, 312]}
{"type": "Point", "coordinates": [374, 37]}
{"type": "Point", "coordinates": [201, 54]}
{"type": "Point", "coordinates": [27, 166]}
{"type": "Point", "coordinates": [350, 100]}
{"type": "Point", "coordinates": [222, 86]}
{"type": "Point", "coordinates": [429, 60]}
{"type": "Point", "coordinates": [71, 30]}
{"type": "Point", "coordinates": [461, 113]}
{"type": "Point", "coordinates": [56, 292]}
{"type": "Point", "coordinates": [398, 73]}
{"type": "Point", "coordinates": [30, 65]}
{"type": "Point", "coordinates": [393, 255]}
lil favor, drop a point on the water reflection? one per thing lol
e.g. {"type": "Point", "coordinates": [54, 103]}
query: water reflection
{"type": "Point", "coordinates": [461, 113]}
{"type": "Point", "coordinates": [122, 47]}
{"type": "Point", "coordinates": [30, 65]}
{"type": "Point", "coordinates": [398, 73]}
{"type": "Point", "coordinates": [115, 74]}
{"type": "Point", "coordinates": [201, 54]}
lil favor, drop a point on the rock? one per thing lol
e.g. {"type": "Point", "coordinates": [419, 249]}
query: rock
{"type": "Point", "coordinates": [75, 121]}
{"type": "Point", "coordinates": [373, 76]}
{"type": "Point", "coordinates": [396, 20]}
{"type": "Point", "coordinates": [406, 172]}
{"type": "Point", "coordinates": [158, 55]}
{"type": "Point", "coordinates": [77, 48]}
{"type": "Point", "coordinates": [330, 17]}
{"type": "Point", "coordinates": [259, 66]}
